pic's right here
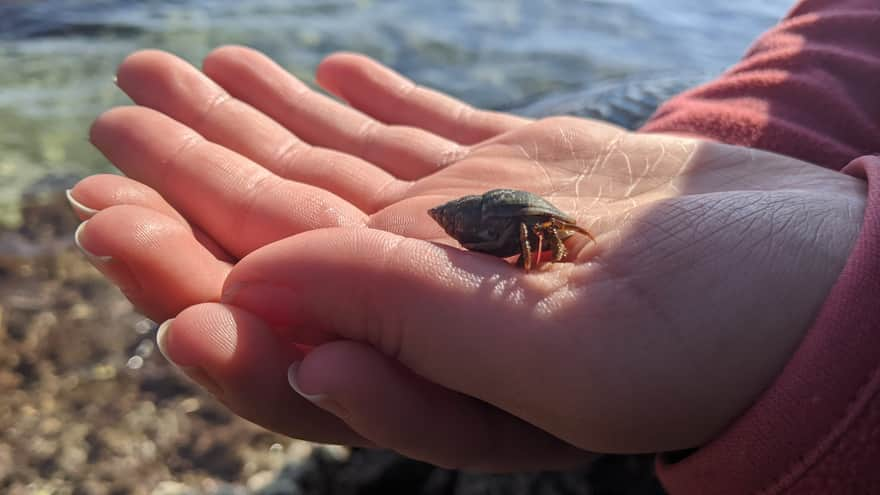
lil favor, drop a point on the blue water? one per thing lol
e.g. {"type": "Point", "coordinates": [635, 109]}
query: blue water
{"type": "Point", "coordinates": [58, 57]}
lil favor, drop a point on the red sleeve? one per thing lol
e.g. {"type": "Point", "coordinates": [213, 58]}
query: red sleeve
{"type": "Point", "coordinates": [809, 88]}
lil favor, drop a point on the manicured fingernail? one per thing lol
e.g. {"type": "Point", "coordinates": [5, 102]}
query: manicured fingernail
{"type": "Point", "coordinates": [80, 209]}
{"type": "Point", "coordinates": [77, 240]}
{"type": "Point", "coordinates": [196, 373]}
{"type": "Point", "coordinates": [117, 271]}
{"type": "Point", "coordinates": [291, 379]}
{"type": "Point", "coordinates": [320, 400]}
{"type": "Point", "coordinates": [162, 338]}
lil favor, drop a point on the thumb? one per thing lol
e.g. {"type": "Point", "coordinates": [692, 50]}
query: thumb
{"type": "Point", "coordinates": [562, 349]}
{"type": "Point", "coordinates": [469, 322]}
{"type": "Point", "coordinates": [463, 321]}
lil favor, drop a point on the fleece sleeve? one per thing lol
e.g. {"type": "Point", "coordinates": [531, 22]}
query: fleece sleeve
{"type": "Point", "coordinates": [809, 88]}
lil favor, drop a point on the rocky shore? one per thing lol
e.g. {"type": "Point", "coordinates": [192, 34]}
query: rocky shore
{"type": "Point", "coordinates": [89, 406]}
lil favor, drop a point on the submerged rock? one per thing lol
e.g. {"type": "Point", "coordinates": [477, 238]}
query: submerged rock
{"type": "Point", "coordinates": [628, 103]}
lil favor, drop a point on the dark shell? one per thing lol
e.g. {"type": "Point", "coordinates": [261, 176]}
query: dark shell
{"type": "Point", "coordinates": [489, 222]}
{"type": "Point", "coordinates": [513, 203]}
{"type": "Point", "coordinates": [459, 215]}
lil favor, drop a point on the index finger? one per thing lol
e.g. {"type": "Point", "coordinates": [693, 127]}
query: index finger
{"type": "Point", "coordinates": [393, 99]}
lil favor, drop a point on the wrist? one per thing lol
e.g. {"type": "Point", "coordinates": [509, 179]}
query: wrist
{"type": "Point", "coordinates": [811, 422]}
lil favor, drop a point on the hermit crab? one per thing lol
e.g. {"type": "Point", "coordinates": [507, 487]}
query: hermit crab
{"type": "Point", "coordinates": [505, 222]}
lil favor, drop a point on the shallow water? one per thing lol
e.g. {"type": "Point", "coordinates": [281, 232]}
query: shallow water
{"type": "Point", "coordinates": [90, 408]}
{"type": "Point", "coordinates": [58, 57]}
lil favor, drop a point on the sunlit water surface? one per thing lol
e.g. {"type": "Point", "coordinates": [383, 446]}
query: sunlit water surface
{"type": "Point", "coordinates": [58, 57]}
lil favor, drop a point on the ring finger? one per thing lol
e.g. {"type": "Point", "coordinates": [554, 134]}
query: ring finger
{"type": "Point", "coordinates": [240, 204]}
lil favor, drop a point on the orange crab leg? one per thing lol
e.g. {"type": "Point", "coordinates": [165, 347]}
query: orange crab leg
{"type": "Point", "coordinates": [565, 226]}
{"type": "Point", "coordinates": [579, 229]}
{"type": "Point", "coordinates": [540, 248]}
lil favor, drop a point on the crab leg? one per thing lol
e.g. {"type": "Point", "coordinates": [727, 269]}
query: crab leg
{"type": "Point", "coordinates": [540, 248]}
{"type": "Point", "coordinates": [559, 250]}
{"type": "Point", "coordinates": [564, 226]}
{"type": "Point", "coordinates": [526, 256]}
{"type": "Point", "coordinates": [569, 226]}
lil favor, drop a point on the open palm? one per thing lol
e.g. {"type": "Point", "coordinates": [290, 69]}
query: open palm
{"type": "Point", "coordinates": [308, 219]}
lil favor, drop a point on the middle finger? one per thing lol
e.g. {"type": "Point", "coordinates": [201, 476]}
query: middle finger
{"type": "Point", "coordinates": [407, 152]}
{"type": "Point", "coordinates": [166, 83]}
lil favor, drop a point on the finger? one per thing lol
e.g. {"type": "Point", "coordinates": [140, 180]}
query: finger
{"type": "Point", "coordinates": [155, 260]}
{"type": "Point", "coordinates": [405, 152]}
{"type": "Point", "coordinates": [467, 321]}
{"type": "Point", "coordinates": [242, 363]}
{"type": "Point", "coordinates": [395, 408]}
{"type": "Point", "coordinates": [577, 349]}
{"type": "Point", "coordinates": [393, 99]}
{"type": "Point", "coordinates": [99, 192]}
{"type": "Point", "coordinates": [237, 202]}
{"type": "Point", "coordinates": [170, 85]}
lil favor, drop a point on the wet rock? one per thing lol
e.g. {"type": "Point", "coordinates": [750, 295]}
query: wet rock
{"type": "Point", "coordinates": [627, 102]}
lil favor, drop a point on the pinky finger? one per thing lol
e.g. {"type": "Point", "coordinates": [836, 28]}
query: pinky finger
{"type": "Point", "coordinates": [155, 260]}
{"type": "Point", "coordinates": [99, 192]}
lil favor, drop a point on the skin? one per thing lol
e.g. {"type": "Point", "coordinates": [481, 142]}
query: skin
{"type": "Point", "coordinates": [270, 220]}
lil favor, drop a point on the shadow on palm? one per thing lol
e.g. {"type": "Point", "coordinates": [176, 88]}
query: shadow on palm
{"type": "Point", "coordinates": [639, 192]}
{"type": "Point", "coordinates": [698, 248]}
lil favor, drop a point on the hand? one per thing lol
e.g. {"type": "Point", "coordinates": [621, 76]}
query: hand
{"type": "Point", "coordinates": [307, 219]}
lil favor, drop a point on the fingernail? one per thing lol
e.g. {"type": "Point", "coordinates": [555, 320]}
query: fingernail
{"type": "Point", "coordinates": [118, 272]}
{"type": "Point", "coordinates": [77, 240]}
{"type": "Point", "coordinates": [80, 209]}
{"type": "Point", "coordinates": [320, 400]}
{"type": "Point", "coordinates": [162, 338]}
{"type": "Point", "coordinates": [196, 373]}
